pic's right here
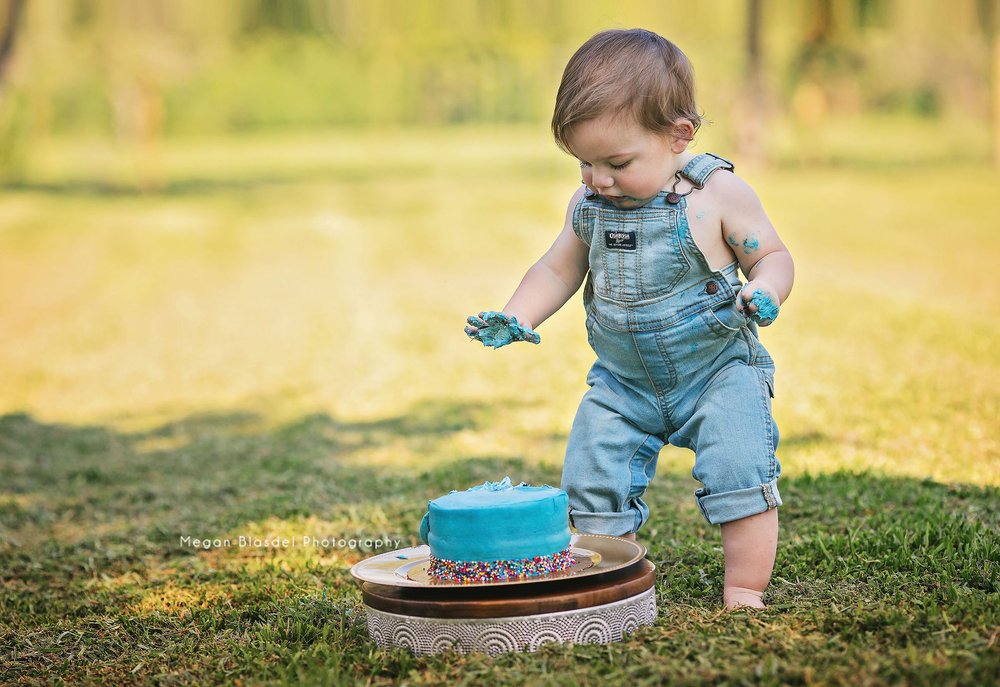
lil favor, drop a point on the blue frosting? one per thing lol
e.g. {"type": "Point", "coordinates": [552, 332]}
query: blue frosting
{"type": "Point", "coordinates": [497, 521]}
{"type": "Point", "coordinates": [496, 329]}
{"type": "Point", "coordinates": [766, 308]}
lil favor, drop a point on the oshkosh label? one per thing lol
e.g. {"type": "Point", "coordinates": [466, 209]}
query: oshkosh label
{"type": "Point", "coordinates": [622, 240]}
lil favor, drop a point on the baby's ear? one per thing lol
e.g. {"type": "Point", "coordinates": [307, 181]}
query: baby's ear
{"type": "Point", "coordinates": [682, 135]}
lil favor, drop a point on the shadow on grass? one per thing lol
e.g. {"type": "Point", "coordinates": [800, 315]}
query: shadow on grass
{"type": "Point", "coordinates": [96, 585]}
{"type": "Point", "coordinates": [117, 498]}
{"type": "Point", "coordinates": [97, 495]}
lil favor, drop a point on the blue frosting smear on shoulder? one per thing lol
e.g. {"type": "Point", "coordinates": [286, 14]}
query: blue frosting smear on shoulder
{"type": "Point", "coordinates": [498, 521]}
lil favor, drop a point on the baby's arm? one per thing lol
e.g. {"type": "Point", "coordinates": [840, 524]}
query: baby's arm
{"type": "Point", "coordinates": [551, 281]}
{"type": "Point", "coordinates": [763, 257]}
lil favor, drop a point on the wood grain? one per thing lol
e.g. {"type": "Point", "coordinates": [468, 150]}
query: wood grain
{"type": "Point", "coordinates": [511, 601]}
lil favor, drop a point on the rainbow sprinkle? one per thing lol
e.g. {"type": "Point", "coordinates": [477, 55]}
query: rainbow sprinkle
{"type": "Point", "coordinates": [472, 572]}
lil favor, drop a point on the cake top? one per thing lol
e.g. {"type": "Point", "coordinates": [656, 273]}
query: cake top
{"type": "Point", "coordinates": [483, 495]}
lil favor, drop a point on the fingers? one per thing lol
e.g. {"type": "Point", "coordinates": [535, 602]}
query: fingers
{"type": "Point", "coordinates": [753, 300]}
{"type": "Point", "coordinates": [495, 319]}
{"type": "Point", "coordinates": [763, 310]}
{"type": "Point", "coordinates": [496, 329]}
{"type": "Point", "coordinates": [522, 333]}
{"type": "Point", "coordinates": [743, 301]}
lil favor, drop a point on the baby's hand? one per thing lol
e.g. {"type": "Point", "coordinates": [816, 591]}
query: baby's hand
{"type": "Point", "coordinates": [496, 329]}
{"type": "Point", "coordinates": [760, 301]}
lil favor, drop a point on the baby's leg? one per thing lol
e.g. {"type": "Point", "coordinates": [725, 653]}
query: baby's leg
{"type": "Point", "coordinates": [734, 438]}
{"type": "Point", "coordinates": [749, 546]}
{"type": "Point", "coordinates": [610, 457]}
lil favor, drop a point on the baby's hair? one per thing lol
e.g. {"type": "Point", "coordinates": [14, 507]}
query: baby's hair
{"type": "Point", "coordinates": [631, 71]}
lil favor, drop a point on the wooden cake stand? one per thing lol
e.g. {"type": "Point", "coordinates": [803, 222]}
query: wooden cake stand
{"type": "Point", "coordinates": [599, 607]}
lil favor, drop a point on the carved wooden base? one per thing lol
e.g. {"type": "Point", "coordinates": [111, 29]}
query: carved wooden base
{"type": "Point", "coordinates": [496, 621]}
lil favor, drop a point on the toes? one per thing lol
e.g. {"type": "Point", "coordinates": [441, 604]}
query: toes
{"type": "Point", "coordinates": [741, 597]}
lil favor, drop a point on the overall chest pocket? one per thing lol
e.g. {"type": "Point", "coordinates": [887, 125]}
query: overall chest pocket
{"type": "Point", "coordinates": [636, 255]}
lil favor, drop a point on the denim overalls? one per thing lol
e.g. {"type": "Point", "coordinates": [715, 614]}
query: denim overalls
{"type": "Point", "coordinates": [676, 363]}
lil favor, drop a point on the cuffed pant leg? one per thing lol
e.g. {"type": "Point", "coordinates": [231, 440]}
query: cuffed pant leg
{"type": "Point", "coordinates": [609, 463]}
{"type": "Point", "coordinates": [734, 437]}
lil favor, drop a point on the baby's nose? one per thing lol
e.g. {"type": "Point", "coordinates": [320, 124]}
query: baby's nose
{"type": "Point", "coordinates": [603, 181]}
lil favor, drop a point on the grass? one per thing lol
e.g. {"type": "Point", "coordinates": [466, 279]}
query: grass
{"type": "Point", "coordinates": [270, 346]}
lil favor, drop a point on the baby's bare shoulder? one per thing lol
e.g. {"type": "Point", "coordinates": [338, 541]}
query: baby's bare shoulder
{"type": "Point", "coordinates": [731, 191]}
{"type": "Point", "coordinates": [744, 222]}
{"type": "Point", "coordinates": [724, 194]}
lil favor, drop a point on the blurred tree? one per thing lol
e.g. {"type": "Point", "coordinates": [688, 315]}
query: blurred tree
{"type": "Point", "coordinates": [9, 31]}
{"type": "Point", "coordinates": [823, 72]}
{"type": "Point", "coordinates": [988, 12]}
{"type": "Point", "coordinates": [753, 102]}
{"type": "Point", "coordinates": [12, 143]}
{"type": "Point", "coordinates": [133, 45]}
{"type": "Point", "coordinates": [138, 71]}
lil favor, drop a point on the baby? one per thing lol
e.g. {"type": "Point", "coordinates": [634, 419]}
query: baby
{"type": "Point", "coordinates": [659, 234]}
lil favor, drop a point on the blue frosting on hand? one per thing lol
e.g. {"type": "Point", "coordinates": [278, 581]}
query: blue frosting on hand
{"type": "Point", "coordinates": [496, 329]}
{"type": "Point", "coordinates": [767, 311]}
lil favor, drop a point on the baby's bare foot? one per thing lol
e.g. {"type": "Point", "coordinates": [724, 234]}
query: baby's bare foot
{"type": "Point", "coordinates": [741, 597]}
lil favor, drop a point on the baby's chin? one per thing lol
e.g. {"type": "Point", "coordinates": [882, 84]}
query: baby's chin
{"type": "Point", "coordinates": [628, 202]}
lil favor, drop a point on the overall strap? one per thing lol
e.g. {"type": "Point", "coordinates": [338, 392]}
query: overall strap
{"type": "Point", "coordinates": [701, 167]}
{"type": "Point", "coordinates": [583, 230]}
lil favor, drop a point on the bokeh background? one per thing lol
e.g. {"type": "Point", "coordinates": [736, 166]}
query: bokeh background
{"type": "Point", "coordinates": [811, 76]}
{"type": "Point", "coordinates": [288, 208]}
{"type": "Point", "coordinates": [238, 244]}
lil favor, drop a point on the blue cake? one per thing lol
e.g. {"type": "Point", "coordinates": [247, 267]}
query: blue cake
{"type": "Point", "coordinates": [497, 531]}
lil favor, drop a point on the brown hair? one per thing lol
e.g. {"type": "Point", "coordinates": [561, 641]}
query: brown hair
{"type": "Point", "coordinates": [632, 71]}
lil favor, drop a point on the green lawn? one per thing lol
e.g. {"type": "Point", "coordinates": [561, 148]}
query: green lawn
{"type": "Point", "coordinates": [271, 345]}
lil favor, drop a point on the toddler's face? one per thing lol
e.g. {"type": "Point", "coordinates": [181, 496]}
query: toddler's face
{"type": "Point", "coordinates": [623, 161]}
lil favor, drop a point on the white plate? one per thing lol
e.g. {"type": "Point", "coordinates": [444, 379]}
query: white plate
{"type": "Point", "coordinates": [594, 553]}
